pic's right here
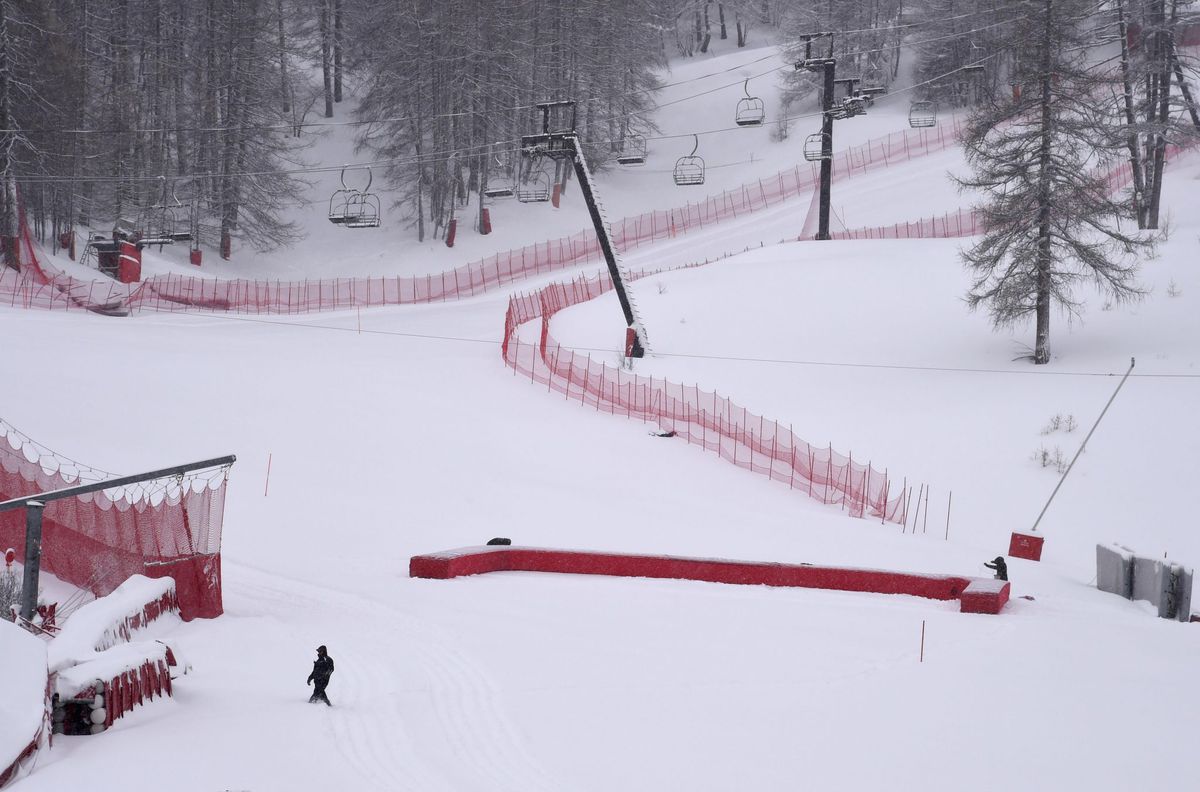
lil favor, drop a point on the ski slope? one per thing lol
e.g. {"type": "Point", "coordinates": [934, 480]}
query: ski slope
{"type": "Point", "coordinates": [393, 432]}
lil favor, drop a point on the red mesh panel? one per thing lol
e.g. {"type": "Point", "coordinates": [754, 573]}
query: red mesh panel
{"type": "Point", "coordinates": [36, 287]}
{"type": "Point", "coordinates": [40, 288]}
{"type": "Point", "coordinates": [96, 543]}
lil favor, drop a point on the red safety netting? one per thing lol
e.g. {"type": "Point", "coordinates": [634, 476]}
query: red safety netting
{"type": "Point", "coordinates": [967, 222]}
{"type": "Point", "coordinates": [715, 423]}
{"type": "Point", "coordinates": [963, 223]}
{"type": "Point", "coordinates": [95, 542]}
{"type": "Point", "coordinates": [41, 289]}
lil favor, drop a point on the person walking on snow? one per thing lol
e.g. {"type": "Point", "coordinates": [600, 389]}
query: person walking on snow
{"type": "Point", "coordinates": [319, 678]}
{"type": "Point", "coordinates": [1000, 567]}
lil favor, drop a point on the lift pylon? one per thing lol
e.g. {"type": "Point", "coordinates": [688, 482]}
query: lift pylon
{"type": "Point", "coordinates": [563, 144]}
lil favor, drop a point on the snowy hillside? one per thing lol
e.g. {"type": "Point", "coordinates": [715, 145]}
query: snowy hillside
{"type": "Point", "coordinates": [398, 431]}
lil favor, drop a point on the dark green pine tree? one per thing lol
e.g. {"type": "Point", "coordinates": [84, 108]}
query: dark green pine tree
{"type": "Point", "coordinates": [1040, 162]}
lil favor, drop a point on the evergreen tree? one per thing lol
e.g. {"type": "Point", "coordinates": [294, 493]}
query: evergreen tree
{"type": "Point", "coordinates": [1040, 162]}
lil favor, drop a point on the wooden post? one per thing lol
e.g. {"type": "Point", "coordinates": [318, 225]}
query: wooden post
{"type": "Point", "coordinates": [949, 500]}
{"type": "Point", "coordinates": [925, 522]}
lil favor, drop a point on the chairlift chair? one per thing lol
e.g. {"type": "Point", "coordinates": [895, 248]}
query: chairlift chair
{"type": "Point", "coordinates": [504, 190]}
{"type": "Point", "coordinates": [339, 204]}
{"type": "Point", "coordinates": [872, 76]}
{"type": "Point", "coordinates": [503, 187]}
{"type": "Point", "coordinates": [750, 111]}
{"type": "Point", "coordinates": [814, 147]}
{"type": "Point", "coordinates": [633, 150]}
{"type": "Point", "coordinates": [534, 189]}
{"type": "Point", "coordinates": [922, 114]}
{"type": "Point", "coordinates": [352, 207]}
{"type": "Point", "coordinates": [362, 211]}
{"type": "Point", "coordinates": [855, 105]}
{"type": "Point", "coordinates": [689, 170]}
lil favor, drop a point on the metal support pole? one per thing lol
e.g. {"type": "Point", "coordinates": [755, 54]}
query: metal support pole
{"type": "Point", "coordinates": [826, 149]}
{"type": "Point", "coordinates": [1083, 445]}
{"type": "Point", "coordinates": [121, 481]}
{"type": "Point", "coordinates": [565, 144]}
{"type": "Point", "coordinates": [33, 558]}
{"type": "Point", "coordinates": [602, 236]}
{"type": "Point", "coordinates": [1183, 85]}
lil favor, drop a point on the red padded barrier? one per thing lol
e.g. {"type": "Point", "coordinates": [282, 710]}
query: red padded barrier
{"type": "Point", "coordinates": [977, 595]}
{"type": "Point", "coordinates": [985, 596]}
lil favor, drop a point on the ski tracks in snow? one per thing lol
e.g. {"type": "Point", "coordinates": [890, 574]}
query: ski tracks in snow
{"type": "Point", "coordinates": [372, 722]}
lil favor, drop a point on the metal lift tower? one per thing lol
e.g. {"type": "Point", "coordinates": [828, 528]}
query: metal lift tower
{"type": "Point", "coordinates": [564, 145]}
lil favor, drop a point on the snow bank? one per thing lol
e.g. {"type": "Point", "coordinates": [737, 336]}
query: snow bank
{"type": "Point", "coordinates": [92, 659]}
{"type": "Point", "coordinates": [111, 620]}
{"type": "Point", "coordinates": [23, 713]}
{"type": "Point", "coordinates": [111, 664]}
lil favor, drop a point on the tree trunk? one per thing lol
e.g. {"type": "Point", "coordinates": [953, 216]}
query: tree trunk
{"type": "Point", "coordinates": [1041, 352]}
{"type": "Point", "coordinates": [326, 59]}
{"type": "Point", "coordinates": [8, 140]}
{"type": "Point", "coordinates": [1163, 114]}
{"type": "Point", "coordinates": [1135, 159]}
{"type": "Point", "coordinates": [283, 66]}
{"type": "Point", "coordinates": [1183, 87]}
{"type": "Point", "coordinates": [337, 50]}
{"type": "Point", "coordinates": [721, 19]}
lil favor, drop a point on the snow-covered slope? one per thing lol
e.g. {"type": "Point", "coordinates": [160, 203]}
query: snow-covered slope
{"type": "Point", "coordinates": [396, 432]}
{"type": "Point", "coordinates": [23, 705]}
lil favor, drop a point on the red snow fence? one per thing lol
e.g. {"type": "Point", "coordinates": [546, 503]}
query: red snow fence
{"type": "Point", "coordinates": [97, 541]}
{"type": "Point", "coordinates": [976, 595]}
{"type": "Point", "coordinates": [703, 418]}
{"type": "Point", "coordinates": [35, 287]}
{"type": "Point", "coordinates": [962, 223]}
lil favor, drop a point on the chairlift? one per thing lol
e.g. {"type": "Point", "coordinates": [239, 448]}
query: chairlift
{"type": "Point", "coordinates": [504, 190]}
{"type": "Point", "coordinates": [814, 147]}
{"type": "Point", "coordinates": [922, 114]}
{"type": "Point", "coordinates": [750, 111]}
{"type": "Point", "coordinates": [339, 204]}
{"type": "Point", "coordinates": [689, 170]}
{"type": "Point", "coordinates": [535, 188]}
{"type": "Point", "coordinates": [855, 105]}
{"type": "Point", "coordinates": [161, 222]}
{"type": "Point", "coordinates": [633, 150]}
{"type": "Point", "coordinates": [352, 207]}
{"type": "Point", "coordinates": [362, 211]}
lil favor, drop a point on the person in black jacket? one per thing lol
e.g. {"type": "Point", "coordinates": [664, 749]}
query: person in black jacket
{"type": "Point", "coordinates": [319, 678]}
{"type": "Point", "coordinates": [1000, 567]}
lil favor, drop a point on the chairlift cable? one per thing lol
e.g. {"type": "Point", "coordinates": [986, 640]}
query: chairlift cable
{"type": "Point", "coordinates": [702, 356]}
